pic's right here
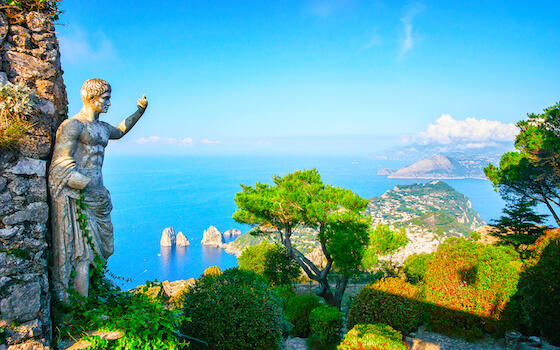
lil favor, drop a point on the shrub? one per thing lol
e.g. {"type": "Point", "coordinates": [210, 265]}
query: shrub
{"type": "Point", "coordinates": [539, 287]}
{"type": "Point", "coordinates": [234, 310]}
{"type": "Point", "coordinates": [298, 310]}
{"type": "Point", "coordinates": [144, 321]}
{"type": "Point", "coordinates": [468, 285]}
{"type": "Point", "coordinates": [372, 337]}
{"type": "Point", "coordinates": [286, 292]}
{"type": "Point", "coordinates": [270, 261]}
{"type": "Point", "coordinates": [212, 271]}
{"type": "Point", "coordinates": [390, 301]}
{"type": "Point", "coordinates": [15, 102]}
{"type": "Point", "coordinates": [325, 323]}
{"type": "Point", "coordinates": [415, 267]}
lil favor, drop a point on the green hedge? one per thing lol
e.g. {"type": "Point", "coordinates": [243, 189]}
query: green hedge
{"type": "Point", "coordinates": [298, 310]}
{"type": "Point", "coordinates": [234, 310]}
{"type": "Point", "coordinates": [468, 285]}
{"type": "Point", "coordinates": [539, 287]}
{"type": "Point", "coordinates": [325, 323]}
{"type": "Point", "coordinates": [390, 301]}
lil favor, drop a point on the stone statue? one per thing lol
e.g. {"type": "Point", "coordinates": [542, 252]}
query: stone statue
{"type": "Point", "coordinates": [76, 165]}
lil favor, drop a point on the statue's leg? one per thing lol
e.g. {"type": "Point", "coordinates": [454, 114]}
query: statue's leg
{"type": "Point", "coordinates": [81, 281]}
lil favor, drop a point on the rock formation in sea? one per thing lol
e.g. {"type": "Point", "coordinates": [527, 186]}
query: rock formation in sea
{"type": "Point", "coordinates": [167, 237]}
{"type": "Point", "coordinates": [232, 233]}
{"type": "Point", "coordinates": [385, 171]}
{"type": "Point", "coordinates": [212, 237]}
{"type": "Point", "coordinates": [182, 240]}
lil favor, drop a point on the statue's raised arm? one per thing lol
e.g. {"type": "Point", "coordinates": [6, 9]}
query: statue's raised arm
{"type": "Point", "coordinates": [124, 127]}
{"type": "Point", "coordinates": [76, 166]}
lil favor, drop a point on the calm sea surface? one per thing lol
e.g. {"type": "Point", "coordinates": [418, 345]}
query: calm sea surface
{"type": "Point", "coordinates": [190, 193]}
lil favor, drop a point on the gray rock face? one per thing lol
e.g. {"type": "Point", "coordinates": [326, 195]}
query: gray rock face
{"type": "Point", "coordinates": [23, 303]}
{"type": "Point", "coordinates": [167, 237]}
{"type": "Point", "coordinates": [29, 166]}
{"type": "Point", "coordinates": [212, 237]}
{"type": "Point", "coordinates": [182, 240]}
{"type": "Point", "coordinates": [29, 54]}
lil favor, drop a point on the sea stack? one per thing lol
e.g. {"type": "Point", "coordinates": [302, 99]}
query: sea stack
{"type": "Point", "coordinates": [212, 237]}
{"type": "Point", "coordinates": [234, 232]}
{"type": "Point", "coordinates": [181, 240]}
{"type": "Point", "coordinates": [167, 237]}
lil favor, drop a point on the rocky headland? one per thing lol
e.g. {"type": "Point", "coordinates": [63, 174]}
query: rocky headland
{"type": "Point", "coordinates": [434, 167]}
{"type": "Point", "coordinates": [429, 213]}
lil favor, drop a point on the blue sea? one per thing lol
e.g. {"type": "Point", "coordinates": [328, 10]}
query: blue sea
{"type": "Point", "coordinates": [190, 193]}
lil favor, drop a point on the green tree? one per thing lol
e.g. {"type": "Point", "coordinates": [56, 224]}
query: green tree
{"type": "Point", "coordinates": [520, 224]}
{"type": "Point", "coordinates": [383, 240]}
{"type": "Point", "coordinates": [533, 172]}
{"type": "Point", "coordinates": [302, 199]}
{"type": "Point", "coordinates": [271, 261]}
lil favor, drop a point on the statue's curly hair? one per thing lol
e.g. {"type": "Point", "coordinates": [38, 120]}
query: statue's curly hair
{"type": "Point", "coordinates": [93, 88]}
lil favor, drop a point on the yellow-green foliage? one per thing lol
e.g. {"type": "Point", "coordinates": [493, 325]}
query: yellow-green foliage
{"type": "Point", "coordinates": [213, 271]}
{"type": "Point", "coordinates": [15, 102]}
{"type": "Point", "coordinates": [372, 337]}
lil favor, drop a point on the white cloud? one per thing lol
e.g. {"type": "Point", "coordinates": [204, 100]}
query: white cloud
{"type": "Point", "coordinates": [210, 142]}
{"type": "Point", "coordinates": [82, 47]}
{"type": "Point", "coordinates": [408, 38]}
{"type": "Point", "coordinates": [163, 140]}
{"type": "Point", "coordinates": [447, 130]}
{"type": "Point", "coordinates": [151, 139]}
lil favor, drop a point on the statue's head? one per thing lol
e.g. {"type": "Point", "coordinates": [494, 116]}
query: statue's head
{"type": "Point", "coordinates": [96, 92]}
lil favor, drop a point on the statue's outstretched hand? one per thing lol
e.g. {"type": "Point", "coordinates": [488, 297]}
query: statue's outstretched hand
{"type": "Point", "coordinates": [143, 102]}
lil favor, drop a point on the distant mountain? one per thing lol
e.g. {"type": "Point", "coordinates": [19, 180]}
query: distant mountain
{"type": "Point", "coordinates": [435, 167]}
{"type": "Point", "coordinates": [468, 160]}
{"type": "Point", "coordinates": [458, 150]}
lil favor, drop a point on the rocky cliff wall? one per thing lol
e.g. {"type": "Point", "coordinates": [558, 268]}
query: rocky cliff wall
{"type": "Point", "coordinates": [30, 56]}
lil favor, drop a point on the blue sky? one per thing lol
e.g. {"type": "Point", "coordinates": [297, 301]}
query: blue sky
{"type": "Point", "coordinates": [312, 77]}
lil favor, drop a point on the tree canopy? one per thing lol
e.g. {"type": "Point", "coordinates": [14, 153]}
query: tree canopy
{"type": "Point", "coordinates": [533, 172]}
{"type": "Point", "coordinates": [301, 199]}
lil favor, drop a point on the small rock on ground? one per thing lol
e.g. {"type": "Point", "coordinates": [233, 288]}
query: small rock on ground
{"type": "Point", "coordinates": [295, 344]}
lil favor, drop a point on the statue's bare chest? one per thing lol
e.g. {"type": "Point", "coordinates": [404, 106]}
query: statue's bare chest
{"type": "Point", "coordinates": [94, 134]}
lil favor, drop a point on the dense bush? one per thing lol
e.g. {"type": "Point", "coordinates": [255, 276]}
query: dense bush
{"type": "Point", "coordinates": [539, 287]}
{"type": "Point", "coordinates": [467, 285]}
{"type": "Point", "coordinates": [298, 310]}
{"type": "Point", "coordinates": [390, 301]}
{"type": "Point", "coordinates": [372, 337]}
{"type": "Point", "coordinates": [234, 310]}
{"type": "Point", "coordinates": [270, 261]}
{"type": "Point", "coordinates": [286, 292]}
{"type": "Point", "coordinates": [325, 323]}
{"type": "Point", "coordinates": [415, 267]}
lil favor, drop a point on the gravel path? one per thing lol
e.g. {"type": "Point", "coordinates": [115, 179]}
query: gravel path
{"type": "Point", "coordinates": [295, 344]}
{"type": "Point", "coordinates": [428, 340]}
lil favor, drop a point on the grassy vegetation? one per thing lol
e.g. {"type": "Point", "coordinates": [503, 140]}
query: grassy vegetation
{"type": "Point", "coordinates": [15, 103]}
